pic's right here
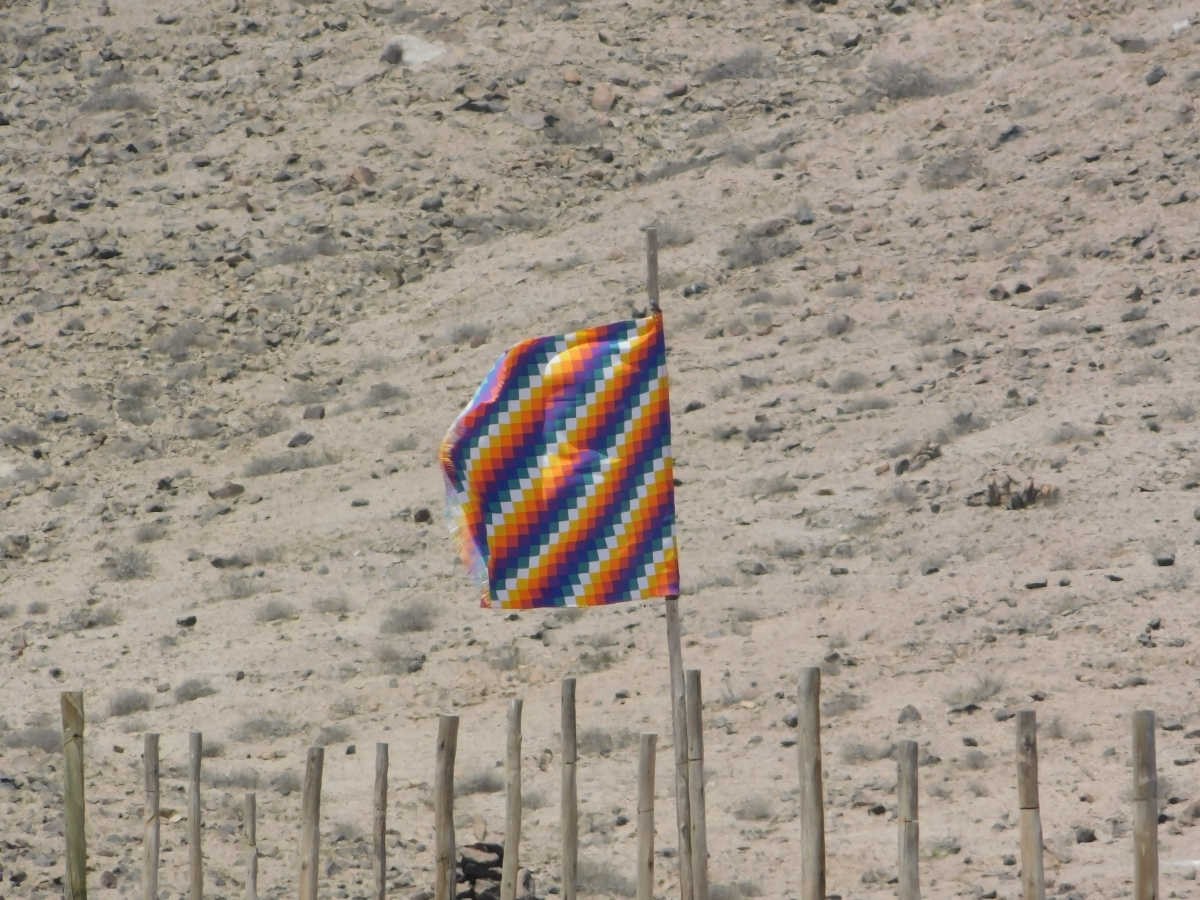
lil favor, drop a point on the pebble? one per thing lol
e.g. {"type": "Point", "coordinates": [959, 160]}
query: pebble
{"type": "Point", "coordinates": [300, 439]}
{"type": "Point", "coordinates": [108, 879]}
{"type": "Point", "coordinates": [603, 97]}
{"type": "Point", "coordinates": [227, 492]}
{"type": "Point", "coordinates": [316, 411]}
{"type": "Point", "coordinates": [1131, 43]}
{"type": "Point", "coordinates": [1155, 75]}
{"type": "Point", "coordinates": [1036, 584]}
{"type": "Point", "coordinates": [360, 501]}
{"type": "Point", "coordinates": [1164, 559]}
{"type": "Point", "coordinates": [570, 76]}
{"type": "Point", "coordinates": [909, 714]}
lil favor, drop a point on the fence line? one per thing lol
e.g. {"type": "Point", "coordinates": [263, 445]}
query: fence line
{"type": "Point", "coordinates": [812, 812]}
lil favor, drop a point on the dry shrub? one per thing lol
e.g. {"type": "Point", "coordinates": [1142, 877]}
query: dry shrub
{"type": "Point", "coordinates": [150, 532]}
{"type": "Point", "coordinates": [738, 890]}
{"type": "Point", "coordinates": [334, 606]}
{"type": "Point", "coordinates": [128, 565]}
{"type": "Point", "coordinates": [985, 688]}
{"type": "Point", "coordinates": [212, 749]}
{"type": "Point", "coordinates": [275, 611]}
{"type": "Point", "coordinates": [379, 394]}
{"type": "Point", "coordinates": [245, 779]}
{"type": "Point", "coordinates": [485, 781]}
{"type": "Point", "coordinates": [747, 64]}
{"type": "Point", "coordinates": [967, 422]}
{"type": "Point", "coordinates": [291, 461]}
{"type": "Point", "coordinates": [505, 658]}
{"type": "Point", "coordinates": [900, 80]}
{"type": "Point", "coordinates": [471, 333]}
{"type": "Point", "coordinates": [332, 734]}
{"type": "Point", "coordinates": [115, 101]}
{"type": "Point", "coordinates": [194, 689]}
{"type": "Point", "coordinates": [574, 134]}
{"type": "Point", "coordinates": [761, 488]}
{"type": "Point", "coordinates": [266, 728]}
{"type": "Point", "coordinates": [603, 878]}
{"type": "Point", "coordinates": [748, 250]}
{"type": "Point", "coordinates": [603, 741]}
{"type": "Point", "coordinates": [951, 170]}
{"type": "Point", "coordinates": [7, 610]}
{"type": "Point", "coordinates": [857, 753]}
{"type": "Point", "coordinates": [19, 436]}
{"type": "Point", "coordinates": [324, 245]}
{"type": "Point", "coordinates": [88, 617]}
{"type": "Point", "coordinates": [405, 444]}
{"type": "Point", "coordinates": [975, 760]}
{"type": "Point", "coordinates": [419, 615]}
{"type": "Point", "coordinates": [843, 703]}
{"type": "Point", "coordinates": [866, 404]}
{"type": "Point", "coordinates": [399, 660]}
{"type": "Point", "coordinates": [532, 799]}
{"type": "Point", "coordinates": [672, 235]}
{"type": "Point", "coordinates": [273, 424]}
{"type": "Point", "coordinates": [286, 783]}
{"type": "Point", "coordinates": [48, 740]}
{"type": "Point", "coordinates": [850, 381]}
{"type": "Point", "coordinates": [755, 808]}
{"type": "Point", "coordinates": [128, 702]}
{"type": "Point", "coordinates": [838, 325]}
{"type": "Point", "coordinates": [242, 587]}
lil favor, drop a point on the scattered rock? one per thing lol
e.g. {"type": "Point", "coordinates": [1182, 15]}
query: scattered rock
{"type": "Point", "coordinates": [909, 714]}
{"type": "Point", "coordinates": [1164, 558]}
{"type": "Point", "coordinates": [316, 411]}
{"type": "Point", "coordinates": [1131, 43]}
{"type": "Point", "coordinates": [603, 97]}
{"type": "Point", "coordinates": [1155, 75]}
{"type": "Point", "coordinates": [300, 439]}
{"type": "Point", "coordinates": [227, 492]}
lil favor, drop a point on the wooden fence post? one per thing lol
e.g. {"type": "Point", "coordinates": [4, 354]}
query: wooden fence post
{"type": "Point", "coordinates": [570, 794]}
{"type": "Point", "coordinates": [1145, 807]}
{"type": "Point", "coordinates": [150, 821]}
{"type": "Point", "coordinates": [679, 731]}
{"type": "Point", "coordinates": [906, 813]}
{"type": "Point", "coordinates": [72, 724]}
{"type": "Point", "coordinates": [195, 851]}
{"type": "Point", "coordinates": [250, 830]}
{"type": "Point", "coordinates": [695, 744]}
{"type": "Point", "coordinates": [310, 823]}
{"type": "Point", "coordinates": [512, 803]}
{"type": "Point", "coordinates": [812, 790]}
{"type": "Point", "coordinates": [645, 815]}
{"type": "Point", "coordinates": [443, 788]}
{"type": "Point", "coordinates": [1033, 877]}
{"type": "Point", "coordinates": [379, 826]}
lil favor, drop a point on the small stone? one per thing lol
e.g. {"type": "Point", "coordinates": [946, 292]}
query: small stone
{"type": "Point", "coordinates": [432, 203]}
{"type": "Point", "coordinates": [1165, 558]}
{"type": "Point", "coordinates": [909, 714]}
{"type": "Point", "coordinates": [838, 570]}
{"type": "Point", "coordinates": [673, 89]}
{"type": "Point", "coordinates": [998, 292]}
{"type": "Point", "coordinates": [570, 76]}
{"type": "Point", "coordinates": [186, 621]}
{"type": "Point", "coordinates": [1003, 714]}
{"type": "Point", "coordinates": [201, 161]}
{"type": "Point", "coordinates": [316, 411]}
{"type": "Point", "coordinates": [694, 288]}
{"type": "Point", "coordinates": [360, 501]}
{"type": "Point", "coordinates": [322, 569]}
{"type": "Point", "coordinates": [1155, 75]}
{"type": "Point", "coordinates": [227, 492]}
{"type": "Point", "coordinates": [43, 217]}
{"type": "Point", "coordinates": [791, 720]}
{"type": "Point", "coordinates": [245, 269]}
{"type": "Point", "coordinates": [1172, 725]}
{"type": "Point", "coordinates": [1038, 696]}
{"type": "Point", "coordinates": [1036, 584]}
{"type": "Point", "coordinates": [422, 515]}
{"type": "Point", "coordinates": [603, 97]}
{"type": "Point", "coordinates": [622, 694]}
{"type": "Point", "coordinates": [108, 879]}
{"type": "Point", "coordinates": [300, 439]}
{"type": "Point", "coordinates": [1154, 624]}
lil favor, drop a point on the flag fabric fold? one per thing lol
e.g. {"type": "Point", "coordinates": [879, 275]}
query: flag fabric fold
{"type": "Point", "coordinates": [559, 485]}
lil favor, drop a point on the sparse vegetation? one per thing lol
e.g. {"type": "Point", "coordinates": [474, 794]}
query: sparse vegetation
{"type": "Point", "coordinates": [38, 608]}
{"type": "Point", "coordinates": [383, 392]}
{"type": "Point", "coordinates": [951, 170]}
{"type": "Point", "coordinates": [92, 617]}
{"type": "Point", "coordinates": [857, 753]}
{"type": "Point", "coordinates": [48, 740]}
{"type": "Point", "coordinates": [603, 741]}
{"type": "Point", "coordinates": [149, 533]}
{"type": "Point", "coordinates": [332, 606]}
{"type": "Point", "coordinates": [417, 615]}
{"type": "Point", "coordinates": [849, 381]}
{"type": "Point", "coordinates": [484, 781]}
{"type": "Point", "coordinates": [843, 703]}
{"type": "Point", "coordinates": [242, 587]}
{"type": "Point", "coordinates": [405, 444]}
{"type": "Point", "coordinates": [115, 101]}
{"type": "Point", "coordinates": [212, 750]}
{"type": "Point", "coordinates": [286, 783]}
{"type": "Point", "coordinates": [603, 878]}
{"type": "Point", "coordinates": [128, 565]}
{"type": "Point", "coordinates": [471, 333]}
{"type": "Point", "coordinates": [504, 658]}
{"type": "Point", "coordinates": [900, 80]}
{"type": "Point", "coordinates": [747, 64]}
{"type": "Point", "coordinates": [332, 734]}
{"type": "Point", "coordinates": [7, 610]}
{"type": "Point", "coordinates": [975, 759]}
{"type": "Point", "coordinates": [984, 688]}
{"type": "Point", "coordinates": [738, 890]}
{"type": "Point", "coordinates": [276, 611]}
{"type": "Point", "coordinates": [325, 245]}
{"type": "Point", "coordinates": [128, 702]}
{"type": "Point", "coordinates": [194, 689]}
{"type": "Point", "coordinates": [245, 779]}
{"type": "Point", "coordinates": [755, 808]}
{"type": "Point", "coordinates": [267, 727]}
{"type": "Point", "coordinates": [532, 799]}
{"type": "Point", "coordinates": [398, 660]}
{"type": "Point", "coordinates": [291, 461]}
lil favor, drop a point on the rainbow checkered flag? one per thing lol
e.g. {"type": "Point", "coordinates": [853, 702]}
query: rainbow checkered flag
{"type": "Point", "coordinates": [559, 485]}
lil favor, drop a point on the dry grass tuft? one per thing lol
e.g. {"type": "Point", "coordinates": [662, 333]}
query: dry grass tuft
{"type": "Point", "coordinates": [194, 689]}
{"type": "Point", "coordinates": [603, 878]}
{"type": "Point", "coordinates": [951, 170]}
{"type": "Point", "coordinates": [333, 606]}
{"type": "Point", "coordinates": [419, 615]}
{"type": "Point", "coordinates": [149, 533]}
{"type": "Point", "coordinates": [267, 727]}
{"type": "Point", "coordinates": [332, 734]}
{"type": "Point", "coordinates": [379, 394]}
{"type": "Point", "coordinates": [985, 688]}
{"type": "Point", "coordinates": [126, 703]}
{"type": "Point", "coordinates": [485, 781]}
{"type": "Point", "coordinates": [755, 808]}
{"type": "Point", "coordinates": [291, 461]}
{"type": "Point", "coordinates": [115, 101]}
{"type": "Point", "coordinates": [471, 333]}
{"type": "Point", "coordinates": [128, 565]}
{"type": "Point", "coordinates": [48, 740]}
{"type": "Point", "coordinates": [975, 760]}
{"type": "Point", "coordinates": [286, 783]}
{"type": "Point", "coordinates": [899, 80]}
{"type": "Point", "coordinates": [747, 64]}
{"type": "Point", "coordinates": [276, 611]}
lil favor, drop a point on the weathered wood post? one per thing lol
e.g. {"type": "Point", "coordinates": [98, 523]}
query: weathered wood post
{"type": "Point", "coordinates": [512, 803]}
{"type": "Point", "coordinates": [250, 830]}
{"type": "Point", "coordinates": [645, 815]}
{"type": "Point", "coordinates": [1145, 807]}
{"type": "Point", "coordinates": [310, 823]}
{"type": "Point", "coordinates": [1033, 876]}
{"type": "Point", "coordinates": [812, 790]}
{"type": "Point", "coordinates": [72, 724]}
{"type": "Point", "coordinates": [679, 724]}
{"type": "Point", "coordinates": [379, 825]}
{"type": "Point", "coordinates": [570, 794]}
{"type": "Point", "coordinates": [151, 825]}
{"type": "Point", "coordinates": [695, 743]}
{"type": "Point", "coordinates": [195, 850]}
{"type": "Point", "coordinates": [906, 813]}
{"type": "Point", "coordinates": [443, 789]}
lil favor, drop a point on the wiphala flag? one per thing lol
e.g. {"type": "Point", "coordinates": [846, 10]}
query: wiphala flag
{"type": "Point", "coordinates": [558, 473]}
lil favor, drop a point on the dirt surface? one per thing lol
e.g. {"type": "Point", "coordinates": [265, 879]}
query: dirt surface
{"type": "Point", "coordinates": [929, 271]}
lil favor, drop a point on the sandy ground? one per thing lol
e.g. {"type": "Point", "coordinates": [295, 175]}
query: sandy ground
{"type": "Point", "coordinates": [910, 250]}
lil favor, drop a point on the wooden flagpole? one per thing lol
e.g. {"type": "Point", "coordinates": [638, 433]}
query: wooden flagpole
{"type": "Point", "coordinates": [675, 658]}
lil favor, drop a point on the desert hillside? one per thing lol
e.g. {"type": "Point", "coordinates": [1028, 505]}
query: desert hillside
{"type": "Point", "coordinates": [929, 276]}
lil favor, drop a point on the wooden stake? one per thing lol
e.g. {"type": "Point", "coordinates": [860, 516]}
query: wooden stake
{"type": "Point", "coordinates": [695, 744]}
{"type": "Point", "coordinates": [443, 788]}
{"type": "Point", "coordinates": [570, 794]}
{"type": "Point", "coordinates": [1033, 876]}
{"type": "Point", "coordinates": [679, 730]}
{"type": "Point", "coordinates": [195, 851]}
{"type": "Point", "coordinates": [512, 804]}
{"type": "Point", "coordinates": [1145, 807]}
{"type": "Point", "coordinates": [250, 829]}
{"type": "Point", "coordinates": [906, 812]}
{"type": "Point", "coordinates": [379, 829]}
{"type": "Point", "coordinates": [645, 816]}
{"type": "Point", "coordinates": [150, 820]}
{"type": "Point", "coordinates": [72, 724]}
{"type": "Point", "coordinates": [310, 823]}
{"type": "Point", "coordinates": [812, 791]}
{"type": "Point", "coordinates": [652, 268]}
